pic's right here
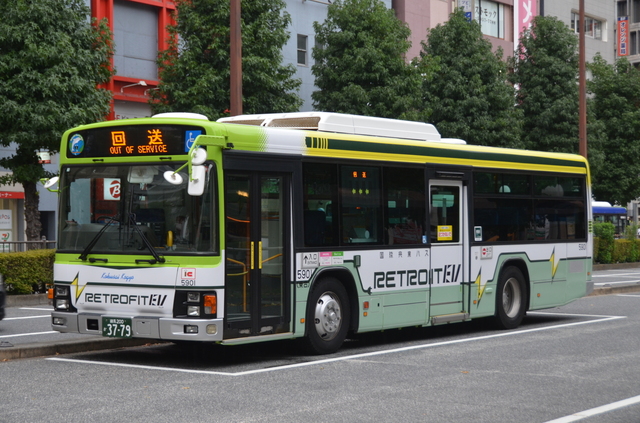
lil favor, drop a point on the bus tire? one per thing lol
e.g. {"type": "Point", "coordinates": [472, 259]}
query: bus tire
{"type": "Point", "coordinates": [510, 298]}
{"type": "Point", "coordinates": [327, 317]}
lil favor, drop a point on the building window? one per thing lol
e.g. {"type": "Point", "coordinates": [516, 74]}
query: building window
{"type": "Point", "coordinates": [490, 15]}
{"type": "Point", "coordinates": [622, 8]}
{"type": "Point", "coordinates": [593, 26]}
{"type": "Point", "coordinates": [302, 50]}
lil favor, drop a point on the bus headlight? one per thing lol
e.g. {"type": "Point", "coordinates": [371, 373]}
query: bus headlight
{"type": "Point", "coordinates": [62, 304]}
{"type": "Point", "coordinates": [193, 311]}
{"type": "Point", "coordinates": [190, 329]}
{"type": "Point", "coordinates": [62, 290]}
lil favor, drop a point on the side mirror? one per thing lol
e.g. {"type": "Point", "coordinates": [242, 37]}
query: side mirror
{"type": "Point", "coordinates": [174, 178]}
{"type": "Point", "coordinates": [196, 181]}
{"type": "Point", "coordinates": [49, 183]}
{"type": "Point", "coordinates": [198, 156]}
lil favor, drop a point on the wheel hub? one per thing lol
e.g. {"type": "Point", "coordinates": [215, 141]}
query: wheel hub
{"type": "Point", "coordinates": [328, 316]}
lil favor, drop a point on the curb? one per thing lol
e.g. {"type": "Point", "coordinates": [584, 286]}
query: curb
{"type": "Point", "coordinates": [26, 300]}
{"type": "Point", "coordinates": [67, 347]}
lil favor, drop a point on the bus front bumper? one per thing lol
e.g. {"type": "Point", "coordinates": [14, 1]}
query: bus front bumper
{"type": "Point", "coordinates": [172, 329]}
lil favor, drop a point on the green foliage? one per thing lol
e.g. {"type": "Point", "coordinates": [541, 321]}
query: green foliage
{"type": "Point", "coordinates": [360, 67]}
{"type": "Point", "coordinates": [27, 273]}
{"type": "Point", "coordinates": [51, 60]}
{"type": "Point", "coordinates": [616, 102]}
{"type": "Point", "coordinates": [195, 70]}
{"type": "Point", "coordinates": [464, 89]}
{"type": "Point", "coordinates": [605, 233]}
{"type": "Point", "coordinates": [545, 70]}
{"type": "Point", "coordinates": [631, 231]}
{"type": "Point", "coordinates": [625, 251]}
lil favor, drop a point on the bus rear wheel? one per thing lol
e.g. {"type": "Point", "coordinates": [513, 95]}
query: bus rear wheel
{"type": "Point", "coordinates": [327, 317]}
{"type": "Point", "coordinates": [510, 299]}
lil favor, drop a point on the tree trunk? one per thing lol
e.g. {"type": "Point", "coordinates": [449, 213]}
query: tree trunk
{"type": "Point", "coordinates": [32, 211]}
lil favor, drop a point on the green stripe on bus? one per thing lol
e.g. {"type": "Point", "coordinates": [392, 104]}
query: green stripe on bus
{"type": "Point", "coordinates": [414, 150]}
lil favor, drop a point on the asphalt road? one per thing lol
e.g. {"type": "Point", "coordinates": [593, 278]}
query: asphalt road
{"type": "Point", "coordinates": [26, 330]}
{"type": "Point", "coordinates": [576, 362]}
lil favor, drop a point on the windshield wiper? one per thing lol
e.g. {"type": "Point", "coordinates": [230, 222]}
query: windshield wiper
{"type": "Point", "coordinates": [147, 243]}
{"type": "Point", "coordinates": [95, 239]}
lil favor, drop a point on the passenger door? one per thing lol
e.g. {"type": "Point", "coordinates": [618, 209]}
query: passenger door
{"type": "Point", "coordinates": [449, 226]}
{"type": "Point", "coordinates": [257, 205]}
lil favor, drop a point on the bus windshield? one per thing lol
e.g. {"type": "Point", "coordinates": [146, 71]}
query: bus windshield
{"type": "Point", "coordinates": [132, 209]}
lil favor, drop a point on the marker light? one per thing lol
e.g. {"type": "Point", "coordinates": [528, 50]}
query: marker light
{"type": "Point", "coordinates": [210, 304]}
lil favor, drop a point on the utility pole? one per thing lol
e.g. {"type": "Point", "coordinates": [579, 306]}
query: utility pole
{"type": "Point", "coordinates": [582, 83]}
{"type": "Point", "coordinates": [235, 33]}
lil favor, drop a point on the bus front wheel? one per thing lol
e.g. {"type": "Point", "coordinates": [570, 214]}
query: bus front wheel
{"type": "Point", "coordinates": [511, 298]}
{"type": "Point", "coordinates": [327, 317]}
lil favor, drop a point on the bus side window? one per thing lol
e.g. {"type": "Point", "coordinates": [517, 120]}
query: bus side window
{"type": "Point", "coordinates": [405, 208]}
{"type": "Point", "coordinates": [320, 188]}
{"type": "Point", "coordinates": [445, 213]}
{"type": "Point", "coordinates": [361, 205]}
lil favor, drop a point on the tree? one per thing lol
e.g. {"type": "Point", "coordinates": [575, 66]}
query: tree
{"type": "Point", "coordinates": [359, 66]}
{"type": "Point", "coordinates": [616, 104]}
{"type": "Point", "coordinates": [465, 93]}
{"type": "Point", "coordinates": [51, 60]}
{"type": "Point", "coordinates": [195, 70]}
{"type": "Point", "coordinates": [545, 71]}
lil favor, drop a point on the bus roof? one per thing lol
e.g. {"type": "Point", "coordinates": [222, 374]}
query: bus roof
{"type": "Point", "coordinates": [344, 124]}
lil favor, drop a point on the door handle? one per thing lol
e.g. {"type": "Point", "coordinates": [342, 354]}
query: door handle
{"type": "Point", "coordinates": [260, 255]}
{"type": "Point", "coordinates": [253, 252]}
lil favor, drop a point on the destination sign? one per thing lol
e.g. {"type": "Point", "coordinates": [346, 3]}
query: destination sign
{"type": "Point", "coordinates": [132, 140]}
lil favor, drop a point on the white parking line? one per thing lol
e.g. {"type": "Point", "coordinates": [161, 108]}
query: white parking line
{"type": "Point", "coordinates": [34, 308]}
{"type": "Point", "coordinates": [600, 319]}
{"type": "Point", "coordinates": [613, 274]}
{"type": "Point", "coordinates": [598, 410]}
{"type": "Point", "coordinates": [15, 335]}
{"type": "Point", "coordinates": [27, 317]}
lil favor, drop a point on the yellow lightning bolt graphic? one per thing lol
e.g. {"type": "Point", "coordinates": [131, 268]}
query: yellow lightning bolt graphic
{"type": "Point", "coordinates": [480, 287]}
{"type": "Point", "coordinates": [79, 288]}
{"type": "Point", "coordinates": [554, 265]}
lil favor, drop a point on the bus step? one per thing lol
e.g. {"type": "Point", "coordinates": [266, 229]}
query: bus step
{"type": "Point", "coordinates": [448, 318]}
{"type": "Point", "coordinates": [260, 338]}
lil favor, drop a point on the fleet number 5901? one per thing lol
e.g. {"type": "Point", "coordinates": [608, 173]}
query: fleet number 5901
{"type": "Point", "coordinates": [303, 274]}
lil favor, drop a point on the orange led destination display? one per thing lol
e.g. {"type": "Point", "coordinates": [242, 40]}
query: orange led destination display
{"type": "Point", "coordinates": [132, 140]}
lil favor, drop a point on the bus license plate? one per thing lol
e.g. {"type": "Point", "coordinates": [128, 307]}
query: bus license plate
{"type": "Point", "coordinates": [116, 327]}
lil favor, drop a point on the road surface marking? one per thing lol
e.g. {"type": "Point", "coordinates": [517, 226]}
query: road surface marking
{"type": "Point", "coordinates": [600, 319]}
{"type": "Point", "coordinates": [598, 410]}
{"type": "Point", "coordinates": [26, 317]}
{"type": "Point", "coordinates": [15, 335]}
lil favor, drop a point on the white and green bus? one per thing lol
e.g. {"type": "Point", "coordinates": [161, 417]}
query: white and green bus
{"type": "Point", "coordinates": [308, 225]}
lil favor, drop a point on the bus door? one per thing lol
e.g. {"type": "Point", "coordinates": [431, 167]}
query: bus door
{"type": "Point", "coordinates": [449, 234]}
{"type": "Point", "coordinates": [257, 215]}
